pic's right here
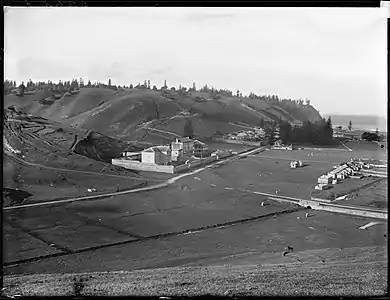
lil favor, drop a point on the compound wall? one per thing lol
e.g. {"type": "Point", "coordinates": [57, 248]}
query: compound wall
{"type": "Point", "coordinates": [135, 165]}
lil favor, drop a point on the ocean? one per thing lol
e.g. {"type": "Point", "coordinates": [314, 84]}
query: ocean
{"type": "Point", "coordinates": [369, 123]}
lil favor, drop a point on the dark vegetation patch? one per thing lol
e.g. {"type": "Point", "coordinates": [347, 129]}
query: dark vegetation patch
{"type": "Point", "coordinates": [14, 196]}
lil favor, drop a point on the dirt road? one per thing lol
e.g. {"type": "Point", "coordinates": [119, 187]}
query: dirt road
{"type": "Point", "coordinates": [137, 190]}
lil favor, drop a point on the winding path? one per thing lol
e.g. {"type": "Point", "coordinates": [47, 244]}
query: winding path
{"type": "Point", "coordinates": [137, 190]}
{"type": "Point", "coordinates": [74, 171]}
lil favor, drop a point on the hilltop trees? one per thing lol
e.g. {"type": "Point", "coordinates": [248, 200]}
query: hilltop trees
{"type": "Point", "coordinates": [74, 85]}
{"type": "Point", "coordinates": [22, 88]}
{"type": "Point", "coordinates": [9, 86]}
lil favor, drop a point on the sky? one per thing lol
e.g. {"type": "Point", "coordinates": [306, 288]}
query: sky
{"type": "Point", "coordinates": [336, 57]}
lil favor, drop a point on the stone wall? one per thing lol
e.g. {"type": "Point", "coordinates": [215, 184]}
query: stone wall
{"type": "Point", "coordinates": [344, 209]}
{"type": "Point", "coordinates": [136, 165]}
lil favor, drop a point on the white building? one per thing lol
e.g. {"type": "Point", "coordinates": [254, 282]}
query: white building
{"type": "Point", "coordinates": [160, 155]}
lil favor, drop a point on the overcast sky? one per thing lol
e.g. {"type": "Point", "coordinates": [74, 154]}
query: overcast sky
{"type": "Point", "coordinates": [334, 57]}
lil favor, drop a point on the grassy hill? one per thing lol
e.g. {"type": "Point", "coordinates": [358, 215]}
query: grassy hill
{"type": "Point", "coordinates": [121, 113]}
{"type": "Point", "coordinates": [340, 275]}
{"type": "Point", "coordinates": [47, 160]}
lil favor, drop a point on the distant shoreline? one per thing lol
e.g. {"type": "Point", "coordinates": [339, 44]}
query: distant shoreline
{"type": "Point", "coordinates": [361, 128]}
{"type": "Point", "coordinates": [361, 123]}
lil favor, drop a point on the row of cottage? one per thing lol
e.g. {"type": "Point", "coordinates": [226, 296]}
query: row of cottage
{"type": "Point", "coordinates": [340, 172]}
{"type": "Point", "coordinates": [163, 155]}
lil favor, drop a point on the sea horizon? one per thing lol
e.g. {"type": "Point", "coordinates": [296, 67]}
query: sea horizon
{"type": "Point", "coordinates": [359, 122]}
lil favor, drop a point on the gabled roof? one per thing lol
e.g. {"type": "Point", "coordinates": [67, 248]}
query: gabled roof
{"type": "Point", "coordinates": [184, 139]}
{"type": "Point", "coordinates": [157, 149]}
{"type": "Point", "coordinates": [196, 142]}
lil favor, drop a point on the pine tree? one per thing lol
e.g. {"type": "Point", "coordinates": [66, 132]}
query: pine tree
{"type": "Point", "coordinates": [285, 132]}
{"type": "Point", "coordinates": [188, 129]}
{"type": "Point", "coordinates": [22, 88]}
{"type": "Point", "coordinates": [261, 122]}
{"type": "Point", "coordinates": [329, 122]}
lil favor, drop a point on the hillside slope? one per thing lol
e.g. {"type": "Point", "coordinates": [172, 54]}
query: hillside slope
{"type": "Point", "coordinates": [46, 160]}
{"type": "Point", "coordinates": [121, 113]}
{"type": "Point", "coordinates": [340, 275]}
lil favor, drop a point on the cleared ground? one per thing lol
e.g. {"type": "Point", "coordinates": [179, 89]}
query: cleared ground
{"type": "Point", "coordinates": [373, 196]}
{"type": "Point", "coordinates": [344, 187]}
{"type": "Point", "coordinates": [218, 246]}
{"type": "Point", "coordinates": [214, 196]}
{"type": "Point", "coordinates": [341, 275]}
{"type": "Point", "coordinates": [53, 161]}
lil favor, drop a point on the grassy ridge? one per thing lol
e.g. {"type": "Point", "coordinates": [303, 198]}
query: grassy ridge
{"type": "Point", "coordinates": [116, 113]}
{"type": "Point", "coordinates": [341, 276]}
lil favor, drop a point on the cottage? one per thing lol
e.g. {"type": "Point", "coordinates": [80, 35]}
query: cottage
{"type": "Point", "coordinates": [160, 155]}
{"type": "Point", "coordinates": [200, 146]}
{"type": "Point", "coordinates": [324, 179]}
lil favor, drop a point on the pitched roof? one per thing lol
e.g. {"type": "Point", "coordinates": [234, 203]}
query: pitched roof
{"type": "Point", "coordinates": [157, 149]}
{"type": "Point", "coordinates": [184, 139]}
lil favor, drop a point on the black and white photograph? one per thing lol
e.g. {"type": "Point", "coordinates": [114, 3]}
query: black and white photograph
{"type": "Point", "coordinates": [195, 151]}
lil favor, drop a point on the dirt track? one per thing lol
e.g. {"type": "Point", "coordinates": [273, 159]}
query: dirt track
{"type": "Point", "coordinates": [147, 188]}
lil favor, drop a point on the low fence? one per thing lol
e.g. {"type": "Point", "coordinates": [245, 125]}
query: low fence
{"type": "Point", "coordinates": [238, 142]}
{"type": "Point", "coordinates": [194, 164]}
{"type": "Point", "coordinates": [344, 209]}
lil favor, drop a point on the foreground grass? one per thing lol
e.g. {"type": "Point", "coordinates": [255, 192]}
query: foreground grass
{"type": "Point", "coordinates": [352, 279]}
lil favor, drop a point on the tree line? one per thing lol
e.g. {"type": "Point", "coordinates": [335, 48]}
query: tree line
{"type": "Point", "coordinates": [77, 83]}
{"type": "Point", "coordinates": [319, 132]}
